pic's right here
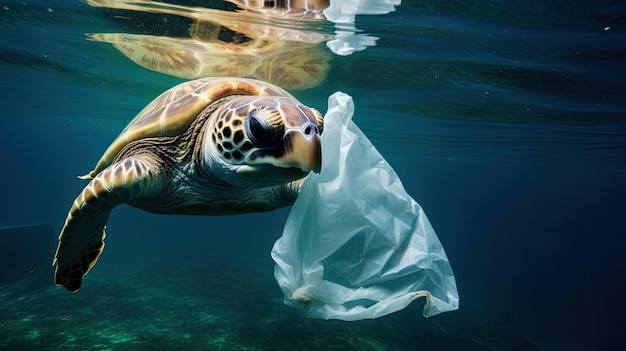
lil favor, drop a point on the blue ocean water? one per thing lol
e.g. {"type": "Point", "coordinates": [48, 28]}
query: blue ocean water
{"type": "Point", "coordinates": [506, 121]}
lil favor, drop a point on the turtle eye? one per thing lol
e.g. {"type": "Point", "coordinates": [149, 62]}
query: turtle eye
{"type": "Point", "coordinates": [264, 128]}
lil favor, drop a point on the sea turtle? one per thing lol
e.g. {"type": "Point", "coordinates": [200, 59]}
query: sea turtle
{"type": "Point", "coordinates": [209, 146]}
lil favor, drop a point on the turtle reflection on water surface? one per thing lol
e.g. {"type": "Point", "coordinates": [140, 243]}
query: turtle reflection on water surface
{"type": "Point", "coordinates": [255, 41]}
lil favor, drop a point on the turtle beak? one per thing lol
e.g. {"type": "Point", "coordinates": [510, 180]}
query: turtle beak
{"type": "Point", "coordinates": [303, 149]}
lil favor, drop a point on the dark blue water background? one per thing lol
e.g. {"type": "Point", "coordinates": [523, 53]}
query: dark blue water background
{"type": "Point", "coordinates": [506, 121]}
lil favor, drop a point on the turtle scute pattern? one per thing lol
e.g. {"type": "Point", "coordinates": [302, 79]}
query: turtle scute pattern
{"type": "Point", "coordinates": [230, 140]}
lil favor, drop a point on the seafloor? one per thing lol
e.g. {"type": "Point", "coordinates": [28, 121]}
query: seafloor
{"type": "Point", "coordinates": [214, 305]}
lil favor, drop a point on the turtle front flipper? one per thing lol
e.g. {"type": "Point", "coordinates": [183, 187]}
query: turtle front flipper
{"type": "Point", "coordinates": [82, 238]}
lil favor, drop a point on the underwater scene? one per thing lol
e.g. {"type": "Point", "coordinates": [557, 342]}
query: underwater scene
{"type": "Point", "coordinates": [504, 120]}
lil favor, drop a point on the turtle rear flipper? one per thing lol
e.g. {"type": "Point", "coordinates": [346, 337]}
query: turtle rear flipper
{"type": "Point", "coordinates": [82, 238]}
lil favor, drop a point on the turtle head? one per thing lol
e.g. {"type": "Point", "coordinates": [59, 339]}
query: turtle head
{"type": "Point", "coordinates": [267, 139]}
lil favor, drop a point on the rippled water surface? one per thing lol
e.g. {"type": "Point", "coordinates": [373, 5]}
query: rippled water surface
{"type": "Point", "coordinates": [506, 121]}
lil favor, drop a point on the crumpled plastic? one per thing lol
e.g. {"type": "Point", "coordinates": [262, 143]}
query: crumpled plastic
{"type": "Point", "coordinates": [355, 245]}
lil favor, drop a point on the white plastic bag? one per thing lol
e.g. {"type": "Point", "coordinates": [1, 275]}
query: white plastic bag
{"type": "Point", "coordinates": [355, 244]}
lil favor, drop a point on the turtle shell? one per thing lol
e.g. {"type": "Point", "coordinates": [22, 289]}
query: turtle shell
{"type": "Point", "coordinates": [173, 111]}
